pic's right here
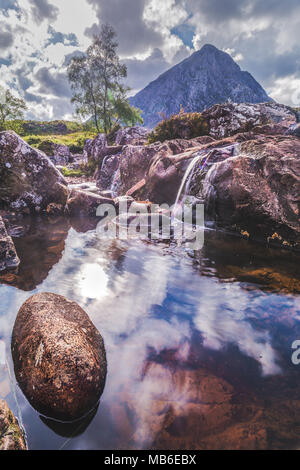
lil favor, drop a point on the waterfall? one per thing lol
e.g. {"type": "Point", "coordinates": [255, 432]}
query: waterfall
{"type": "Point", "coordinates": [187, 178]}
{"type": "Point", "coordinates": [115, 183]}
{"type": "Point", "coordinates": [104, 161]}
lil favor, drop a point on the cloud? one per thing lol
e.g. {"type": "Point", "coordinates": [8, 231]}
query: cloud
{"type": "Point", "coordinates": [126, 17]}
{"type": "Point", "coordinates": [53, 83]}
{"type": "Point", "coordinates": [39, 37]}
{"type": "Point", "coordinates": [43, 10]}
{"type": "Point", "coordinates": [6, 38]}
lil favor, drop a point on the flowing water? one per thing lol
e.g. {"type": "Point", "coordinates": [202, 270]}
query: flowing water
{"type": "Point", "coordinates": [198, 343]}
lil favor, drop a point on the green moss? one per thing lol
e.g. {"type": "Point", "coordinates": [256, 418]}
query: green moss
{"type": "Point", "coordinates": [180, 126]}
{"type": "Point", "coordinates": [70, 172]}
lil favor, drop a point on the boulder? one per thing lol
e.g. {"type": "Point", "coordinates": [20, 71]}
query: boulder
{"type": "Point", "coordinates": [258, 191]}
{"type": "Point", "coordinates": [231, 118]}
{"type": "Point", "coordinates": [61, 154]}
{"type": "Point", "coordinates": [85, 203]}
{"type": "Point", "coordinates": [132, 135]}
{"type": "Point", "coordinates": [11, 435]}
{"type": "Point", "coordinates": [135, 161]}
{"type": "Point", "coordinates": [93, 147]}
{"type": "Point", "coordinates": [59, 357]}
{"type": "Point", "coordinates": [8, 255]}
{"type": "Point", "coordinates": [29, 181]}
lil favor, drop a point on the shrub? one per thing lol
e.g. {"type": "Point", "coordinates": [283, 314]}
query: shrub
{"type": "Point", "coordinates": [180, 126]}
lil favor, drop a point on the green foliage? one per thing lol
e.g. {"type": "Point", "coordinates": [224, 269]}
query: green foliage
{"type": "Point", "coordinates": [68, 172]}
{"type": "Point", "coordinates": [96, 79]}
{"type": "Point", "coordinates": [11, 107]}
{"type": "Point", "coordinates": [180, 126]}
{"type": "Point", "coordinates": [16, 125]}
{"type": "Point", "coordinates": [75, 141]}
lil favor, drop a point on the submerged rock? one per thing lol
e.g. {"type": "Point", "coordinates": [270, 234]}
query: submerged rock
{"type": "Point", "coordinates": [59, 357]}
{"type": "Point", "coordinates": [11, 435]}
{"type": "Point", "coordinates": [29, 181]}
{"type": "Point", "coordinates": [8, 255]}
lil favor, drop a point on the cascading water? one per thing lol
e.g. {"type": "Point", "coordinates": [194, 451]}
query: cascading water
{"type": "Point", "coordinates": [185, 183]}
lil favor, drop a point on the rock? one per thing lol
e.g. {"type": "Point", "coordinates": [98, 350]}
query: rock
{"type": "Point", "coordinates": [59, 357]}
{"type": "Point", "coordinates": [132, 135]}
{"type": "Point", "coordinates": [231, 118]}
{"type": "Point", "coordinates": [11, 435]}
{"type": "Point", "coordinates": [93, 147]}
{"type": "Point", "coordinates": [294, 129]}
{"type": "Point", "coordinates": [258, 191]}
{"type": "Point", "coordinates": [8, 255]}
{"type": "Point", "coordinates": [61, 154]}
{"type": "Point", "coordinates": [29, 181]}
{"type": "Point", "coordinates": [135, 161]}
{"type": "Point", "coordinates": [106, 171]}
{"type": "Point", "coordinates": [85, 203]}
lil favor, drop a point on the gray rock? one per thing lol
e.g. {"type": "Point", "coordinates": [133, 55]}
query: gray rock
{"type": "Point", "coordinates": [29, 180]}
{"type": "Point", "coordinates": [132, 135]}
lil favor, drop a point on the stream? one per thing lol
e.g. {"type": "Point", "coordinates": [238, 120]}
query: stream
{"type": "Point", "coordinates": [199, 343]}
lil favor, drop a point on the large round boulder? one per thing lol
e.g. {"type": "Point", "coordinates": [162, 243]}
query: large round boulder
{"type": "Point", "coordinates": [59, 357]}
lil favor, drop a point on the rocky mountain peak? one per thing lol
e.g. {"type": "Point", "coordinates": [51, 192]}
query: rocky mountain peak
{"type": "Point", "coordinates": [207, 77]}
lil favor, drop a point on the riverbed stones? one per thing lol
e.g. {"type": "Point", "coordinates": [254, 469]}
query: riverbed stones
{"type": "Point", "coordinates": [59, 357]}
{"type": "Point", "coordinates": [11, 435]}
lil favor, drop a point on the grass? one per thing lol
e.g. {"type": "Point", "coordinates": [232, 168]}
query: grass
{"type": "Point", "coordinates": [74, 141]}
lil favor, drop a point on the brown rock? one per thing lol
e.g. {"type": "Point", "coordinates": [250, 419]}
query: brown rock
{"type": "Point", "coordinates": [85, 203]}
{"type": "Point", "coordinates": [11, 435]}
{"type": "Point", "coordinates": [258, 191]}
{"type": "Point", "coordinates": [59, 357]}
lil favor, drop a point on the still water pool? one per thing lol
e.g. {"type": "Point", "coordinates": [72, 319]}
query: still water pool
{"type": "Point", "coordinates": [198, 343]}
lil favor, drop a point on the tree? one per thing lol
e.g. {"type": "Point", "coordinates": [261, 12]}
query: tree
{"type": "Point", "coordinates": [96, 79]}
{"type": "Point", "coordinates": [10, 107]}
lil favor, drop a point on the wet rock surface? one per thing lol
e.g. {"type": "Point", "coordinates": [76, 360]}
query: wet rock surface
{"type": "Point", "coordinates": [29, 181]}
{"type": "Point", "coordinates": [8, 255]}
{"type": "Point", "coordinates": [59, 357]}
{"type": "Point", "coordinates": [259, 190]}
{"type": "Point", "coordinates": [11, 435]}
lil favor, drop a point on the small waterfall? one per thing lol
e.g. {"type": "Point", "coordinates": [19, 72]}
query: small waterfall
{"type": "Point", "coordinates": [185, 183]}
{"type": "Point", "coordinates": [115, 183]}
{"type": "Point", "coordinates": [104, 161]}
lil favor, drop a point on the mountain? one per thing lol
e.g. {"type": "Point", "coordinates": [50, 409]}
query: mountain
{"type": "Point", "coordinates": [209, 76]}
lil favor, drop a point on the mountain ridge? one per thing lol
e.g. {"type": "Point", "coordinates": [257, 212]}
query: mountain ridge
{"type": "Point", "coordinates": [209, 76]}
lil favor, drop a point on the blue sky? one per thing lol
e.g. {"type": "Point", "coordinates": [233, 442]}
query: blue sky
{"type": "Point", "coordinates": [37, 37]}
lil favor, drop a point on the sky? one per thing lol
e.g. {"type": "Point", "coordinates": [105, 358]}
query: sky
{"type": "Point", "coordinates": [38, 38]}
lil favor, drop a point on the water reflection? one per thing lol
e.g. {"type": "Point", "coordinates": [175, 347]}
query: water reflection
{"type": "Point", "coordinates": [198, 344]}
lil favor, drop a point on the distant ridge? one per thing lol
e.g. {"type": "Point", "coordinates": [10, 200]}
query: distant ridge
{"type": "Point", "coordinates": [209, 76]}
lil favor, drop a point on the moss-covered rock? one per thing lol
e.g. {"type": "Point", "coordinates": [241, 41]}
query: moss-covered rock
{"type": "Point", "coordinates": [11, 435]}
